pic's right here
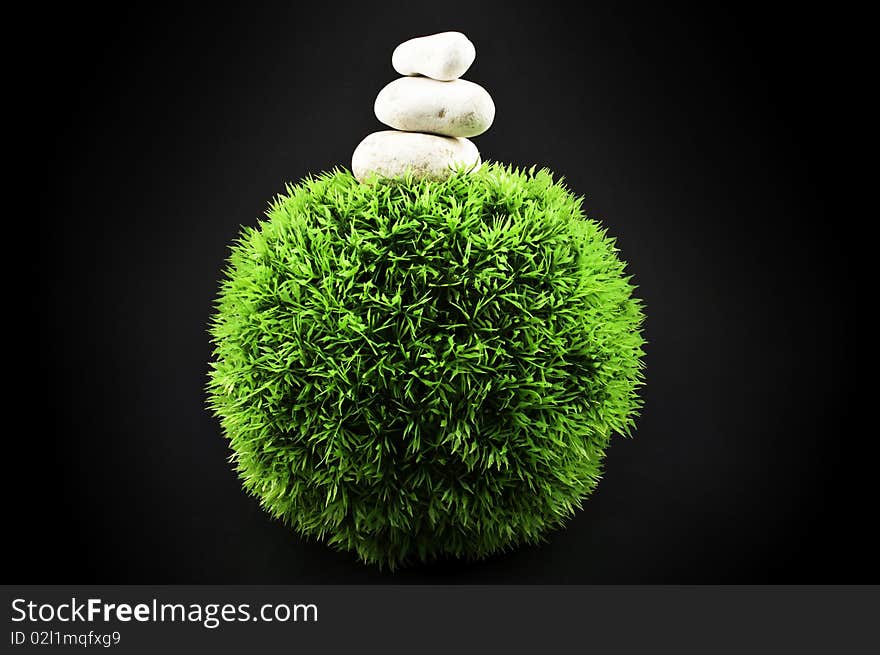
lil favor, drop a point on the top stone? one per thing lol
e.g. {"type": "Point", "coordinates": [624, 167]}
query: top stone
{"type": "Point", "coordinates": [444, 56]}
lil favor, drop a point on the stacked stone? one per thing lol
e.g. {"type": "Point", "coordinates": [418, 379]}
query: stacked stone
{"type": "Point", "coordinates": [432, 112]}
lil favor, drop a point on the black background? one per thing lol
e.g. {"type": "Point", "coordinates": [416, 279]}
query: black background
{"type": "Point", "coordinates": [703, 139]}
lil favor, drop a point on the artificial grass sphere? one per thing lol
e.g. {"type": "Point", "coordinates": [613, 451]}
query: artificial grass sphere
{"type": "Point", "coordinates": [416, 369]}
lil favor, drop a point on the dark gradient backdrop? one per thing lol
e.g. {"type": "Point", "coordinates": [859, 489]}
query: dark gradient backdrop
{"type": "Point", "coordinates": [699, 139]}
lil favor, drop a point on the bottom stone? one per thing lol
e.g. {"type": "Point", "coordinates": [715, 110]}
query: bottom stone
{"type": "Point", "coordinates": [427, 156]}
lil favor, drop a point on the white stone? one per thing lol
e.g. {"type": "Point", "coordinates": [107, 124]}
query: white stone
{"type": "Point", "coordinates": [427, 156]}
{"type": "Point", "coordinates": [419, 104]}
{"type": "Point", "coordinates": [444, 56]}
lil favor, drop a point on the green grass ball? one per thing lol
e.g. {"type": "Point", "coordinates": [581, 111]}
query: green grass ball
{"type": "Point", "coordinates": [421, 369]}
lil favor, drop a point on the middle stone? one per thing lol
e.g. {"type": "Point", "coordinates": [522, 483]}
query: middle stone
{"type": "Point", "coordinates": [420, 104]}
